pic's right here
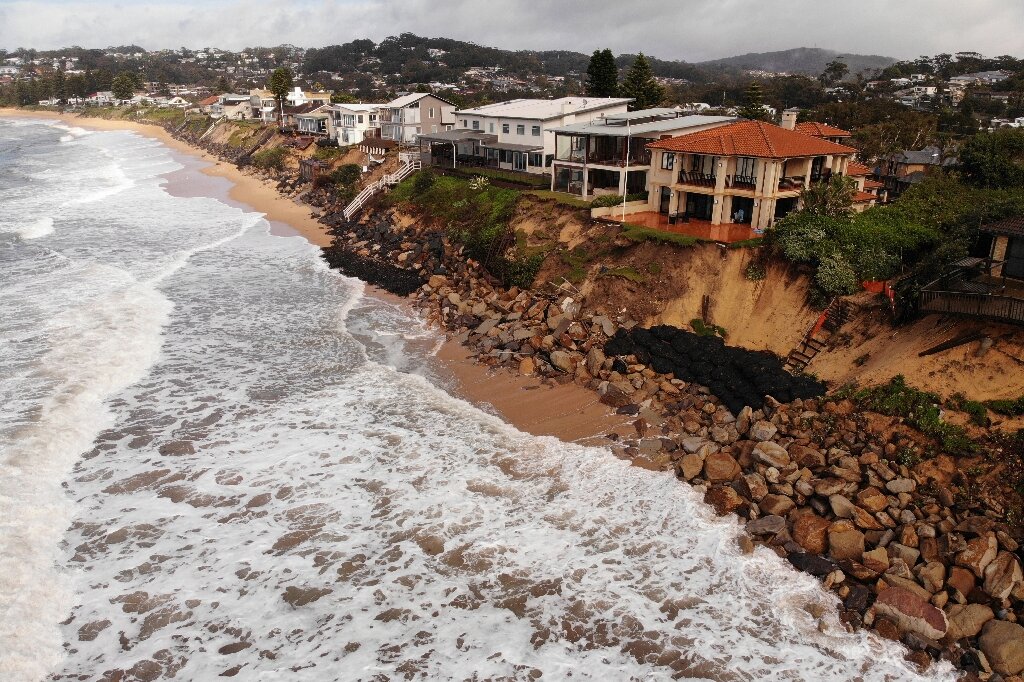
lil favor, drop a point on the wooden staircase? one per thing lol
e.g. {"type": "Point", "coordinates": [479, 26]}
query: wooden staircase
{"type": "Point", "coordinates": [407, 169]}
{"type": "Point", "coordinates": [817, 337]}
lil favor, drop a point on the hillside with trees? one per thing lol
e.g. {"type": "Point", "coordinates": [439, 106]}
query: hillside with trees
{"type": "Point", "coordinates": [808, 61]}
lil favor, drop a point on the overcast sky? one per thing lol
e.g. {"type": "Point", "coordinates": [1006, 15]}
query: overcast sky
{"type": "Point", "coordinates": [692, 30]}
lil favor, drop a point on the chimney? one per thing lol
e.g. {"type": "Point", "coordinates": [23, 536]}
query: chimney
{"type": "Point", "coordinates": [789, 118]}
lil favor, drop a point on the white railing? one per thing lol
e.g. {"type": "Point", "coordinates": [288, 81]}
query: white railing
{"type": "Point", "coordinates": [388, 180]}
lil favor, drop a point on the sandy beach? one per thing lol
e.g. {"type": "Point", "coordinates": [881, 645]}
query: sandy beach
{"type": "Point", "coordinates": [566, 411]}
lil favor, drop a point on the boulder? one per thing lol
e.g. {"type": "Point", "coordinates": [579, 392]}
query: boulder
{"type": "Point", "coordinates": [901, 485]}
{"type": "Point", "coordinates": [1002, 575]}
{"type": "Point", "coordinates": [810, 531]}
{"type": "Point", "coordinates": [762, 431]}
{"type": "Point", "coordinates": [846, 544]}
{"type": "Point", "coordinates": [766, 525]}
{"type": "Point", "coordinates": [931, 575]}
{"type": "Point", "coordinates": [720, 467]}
{"type": "Point", "coordinates": [872, 499]}
{"type": "Point", "coordinates": [806, 456]}
{"type": "Point", "coordinates": [1002, 643]}
{"type": "Point", "coordinates": [595, 361]}
{"type": "Point", "coordinates": [689, 465]}
{"type": "Point", "coordinates": [978, 554]}
{"type": "Point", "coordinates": [756, 486]}
{"type": "Point", "coordinates": [743, 420]}
{"type": "Point", "coordinates": [771, 454]}
{"type": "Point", "coordinates": [841, 506]}
{"type": "Point", "coordinates": [527, 367]}
{"type": "Point", "coordinates": [966, 620]}
{"type": "Point", "coordinates": [780, 505]}
{"type": "Point", "coordinates": [911, 613]}
{"type": "Point", "coordinates": [812, 563]}
{"type": "Point", "coordinates": [724, 499]}
{"type": "Point", "coordinates": [908, 554]}
{"type": "Point", "coordinates": [877, 560]}
{"type": "Point", "coordinates": [562, 360]}
{"type": "Point", "coordinates": [962, 580]}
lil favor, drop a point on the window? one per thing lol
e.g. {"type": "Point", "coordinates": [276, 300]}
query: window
{"type": "Point", "coordinates": [490, 127]}
{"type": "Point", "coordinates": [504, 128]}
{"type": "Point", "coordinates": [520, 130]}
{"type": "Point", "coordinates": [465, 123]}
{"type": "Point", "coordinates": [535, 131]}
{"type": "Point", "coordinates": [433, 129]}
{"type": "Point", "coordinates": [536, 159]}
{"type": "Point", "coordinates": [668, 160]}
{"type": "Point", "coordinates": [431, 112]}
{"type": "Point", "coordinates": [359, 118]}
{"type": "Point", "coordinates": [746, 169]}
{"type": "Point", "coordinates": [476, 125]}
{"type": "Point", "coordinates": [414, 105]}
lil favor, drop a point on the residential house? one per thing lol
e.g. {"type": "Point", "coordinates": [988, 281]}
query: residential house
{"type": "Point", "coordinates": [298, 97]}
{"type": "Point", "coordinates": [609, 155]}
{"type": "Point", "coordinates": [748, 172]}
{"type": "Point", "coordinates": [981, 78]}
{"type": "Point", "coordinates": [290, 115]}
{"type": "Point", "coordinates": [206, 105]}
{"type": "Point", "coordinates": [903, 169]}
{"type": "Point", "coordinates": [404, 118]}
{"type": "Point", "coordinates": [518, 134]}
{"type": "Point", "coordinates": [352, 123]}
{"type": "Point", "coordinates": [1007, 247]}
{"type": "Point", "coordinates": [263, 105]}
{"type": "Point", "coordinates": [101, 98]}
{"type": "Point", "coordinates": [867, 192]}
{"type": "Point", "coordinates": [231, 106]}
{"type": "Point", "coordinates": [315, 122]}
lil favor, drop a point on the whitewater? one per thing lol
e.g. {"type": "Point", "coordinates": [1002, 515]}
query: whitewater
{"type": "Point", "coordinates": [218, 457]}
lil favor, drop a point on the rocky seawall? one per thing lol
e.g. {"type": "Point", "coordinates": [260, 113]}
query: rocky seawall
{"type": "Point", "coordinates": [837, 490]}
{"type": "Point", "coordinates": [815, 479]}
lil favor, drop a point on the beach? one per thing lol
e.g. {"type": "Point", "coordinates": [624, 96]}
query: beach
{"type": "Point", "coordinates": [228, 459]}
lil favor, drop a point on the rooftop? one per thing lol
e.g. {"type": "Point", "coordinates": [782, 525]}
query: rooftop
{"type": "Point", "coordinates": [625, 124]}
{"type": "Point", "coordinates": [357, 106]}
{"type": "Point", "coordinates": [752, 138]}
{"type": "Point", "coordinates": [406, 100]}
{"type": "Point", "coordinates": [855, 169]}
{"type": "Point", "coordinates": [815, 129]}
{"type": "Point", "coordinates": [1013, 226]}
{"type": "Point", "coordinates": [544, 109]}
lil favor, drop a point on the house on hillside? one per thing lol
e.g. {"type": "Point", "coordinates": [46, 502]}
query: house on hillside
{"type": "Point", "coordinates": [405, 117]}
{"type": "Point", "coordinates": [745, 173]}
{"type": "Point", "coordinates": [899, 171]}
{"type": "Point", "coordinates": [867, 192]}
{"type": "Point", "coordinates": [315, 122]}
{"type": "Point", "coordinates": [515, 135]}
{"type": "Point", "coordinates": [610, 155]}
{"type": "Point", "coordinates": [231, 106]}
{"type": "Point", "coordinates": [297, 97]}
{"type": "Point", "coordinates": [989, 286]}
{"type": "Point", "coordinates": [263, 105]}
{"type": "Point", "coordinates": [205, 105]}
{"type": "Point", "coordinates": [352, 123]}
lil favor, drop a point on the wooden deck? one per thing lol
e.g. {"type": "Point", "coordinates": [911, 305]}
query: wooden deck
{"type": "Point", "coordinates": [725, 233]}
{"type": "Point", "coordinates": [993, 306]}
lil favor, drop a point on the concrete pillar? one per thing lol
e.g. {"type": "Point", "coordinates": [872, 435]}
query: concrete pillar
{"type": "Point", "coordinates": [726, 202]}
{"type": "Point", "coordinates": [622, 181]}
{"type": "Point", "coordinates": [999, 246]}
{"type": "Point", "coordinates": [586, 182]}
{"type": "Point", "coordinates": [808, 165]}
{"type": "Point", "coordinates": [673, 202]}
{"type": "Point", "coordinates": [717, 209]}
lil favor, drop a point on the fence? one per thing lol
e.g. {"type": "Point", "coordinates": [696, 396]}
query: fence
{"type": "Point", "coordinates": [387, 181]}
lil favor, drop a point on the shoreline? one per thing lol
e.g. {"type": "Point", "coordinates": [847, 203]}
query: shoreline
{"type": "Point", "coordinates": [568, 412]}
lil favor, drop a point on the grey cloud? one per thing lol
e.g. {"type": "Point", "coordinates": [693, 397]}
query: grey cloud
{"type": "Point", "coordinates": [673, 29]}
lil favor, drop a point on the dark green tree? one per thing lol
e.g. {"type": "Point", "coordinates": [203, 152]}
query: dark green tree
{"type": "Point", "coordinates": [639, 84]}
{"type": "Point", "coordinates": [223, 85]}
{"type": "Point", "coordinates": [279, 83]}
{"type": "Point", "coordinates": [994, 160]}
{"type": "Point", "coordinates": [123, 86]}
{"type": "Point", "coordinates": [835, 71]}
{"type": "Point", "coordinates": [602, 74]}
{"type": "Point", "coordinates": [831, 199]}
{"type": "Point", "coordinates": [753, 104]}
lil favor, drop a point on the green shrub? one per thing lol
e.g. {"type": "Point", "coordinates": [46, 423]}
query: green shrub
{"type": "Point", "coordinates": [422, 182]}
{"type": "Point", "coordinates": [702, 329]}
{"type": "Point", "coordinates": [626, 273]}
{"type": "Point", "coordinates": [638, 233]}
{"type": "Point", "coordinates": [919, 409]}
{"type": "Point", "coordinates": [273, 158]}
{"type": "Point", "coordinates": [756, 271]}
{"type": "Point", "coordinates": [975, 410]}
{"type": "Point", "coordinates": [1009, 408]}
{"type": "Point", "coordinates": [616, 199]}
{"type": "Point", "coordinates": [835, 276]}
{"type": "Point", "coordinates": [347, 174]}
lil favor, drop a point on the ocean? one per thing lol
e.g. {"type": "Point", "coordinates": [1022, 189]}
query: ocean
{"type": "Point", "coordinates": [218, 457]}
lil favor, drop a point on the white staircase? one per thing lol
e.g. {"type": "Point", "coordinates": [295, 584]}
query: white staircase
{"type": "Point", "coordinates": [410, 167]}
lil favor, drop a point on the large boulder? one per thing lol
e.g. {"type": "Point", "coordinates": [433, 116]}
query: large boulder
{"type": "Point", "coordinates": [966, 620]}
{"type": "Point", "coordinates": [724, 499]}
{"type": "Point", "coordinates": [810, 531]}
{"type": "Point", "coordinates": [780, 505]}
{"type": "Point", "coordinates": [771, 454]}
{"type": "Point", "coordinates": [980, 552]}
{"type": "Point", "coordinates": [720, 467]}
{"type": "Point", "coordinates": [766, 525]}
{"type": "Point", "coordinates": [1002, 643]}
{"type": "Point", "coordinates": [911, 613]}
{"type": "Point", "coordinates": [1002, 575]}
{"type": "Point", "coordinates": [845, 543]}
{"type": "Point", "coordinates": [562, 360]}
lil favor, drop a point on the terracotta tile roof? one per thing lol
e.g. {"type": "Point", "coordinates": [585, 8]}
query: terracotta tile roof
{"type": "Point", "coordinates": [212, 99]}
{"type": "Point", "coordinates": [873, 184]}
{"type": "Point", "coordinates": [752, 138]}
{"type": "Point", "coordinates": [861, 197]}
{"type": "Point", "coordinates": [856, 169]}
{"type": "Point", "coordinates": [815, 129]}
{"type": "Point", "coordinates": [1013, 226]}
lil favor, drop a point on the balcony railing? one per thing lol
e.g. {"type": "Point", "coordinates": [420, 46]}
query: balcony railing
{"type": "Point", "coordinates": [748, 182]}
{"type": "Point", "coordinates": [791, 184]}
{"type": "Point", "coordinates": [990, 306]}
{"type": "Point", "coordinates": [698, 179]}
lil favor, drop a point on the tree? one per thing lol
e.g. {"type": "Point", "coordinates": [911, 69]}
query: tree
{"type": "Point", "coordinates": [639, 84]}
{"type": "Point", "coordinates": [343, 98]}
{"type": "Point", "coordinates": [602, 74]}
{"type": "Point", "coordinates": [279, 83]}
{"type": "Point", "coordinates": [994, 160]}
{"type": "Point", "coordinates": [753, 104]}
{"type": "Point", "coordinates": [831, 199]}
{"type": "Point", "coordinates": [835, 71]}
{"type": "Point", "coordinates": [123, 86]}
{"type": "Point", "coordinates": [223, 85]}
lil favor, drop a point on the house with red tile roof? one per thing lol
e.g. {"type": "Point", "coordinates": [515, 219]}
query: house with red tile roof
{"type": "Point", "coordinates": [748, 172]}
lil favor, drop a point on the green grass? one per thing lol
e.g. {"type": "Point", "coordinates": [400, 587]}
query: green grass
{"type": "Point", "coordinates": [639, 234]}
{"type": "Point", "coordinates": [747, 243]}
{"type": "Point", "coordinates": [524, 179]}
{"type": "Point", "coordinates": [626, 273]}
{"type": "Point", "coordinates": [560, 197]}
{"type": "Point", "coordinates": [1009, 408]}
{"type": "Point", "coordinates": [577, 260]}
{"type": "Point", "coordinates": [975, 410]}
{"type": "Point", "coordinates": [918, 408]}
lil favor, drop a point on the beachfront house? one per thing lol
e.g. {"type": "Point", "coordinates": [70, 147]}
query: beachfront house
{"type": "Point", "coordinates": [298, 97]}
{"type": "Point", "coordinates": [609, 155]}
{"type": "Point", "coordinates": [231, 106]}
{"type": "Point", "coordinates": [352, 123]}
{"type": "Point", "coordinates": [900, 171]}
{"type": "Point", "coordinates": [404, 118]}
{"type": "Point", "coordinates": [745, 173]}
{"type": "Point", "coordinates": [515, 135]}
{"type": "Point", "coordinates": [315, 122]}
{"type": "Point", "coordinates": [263, 105]}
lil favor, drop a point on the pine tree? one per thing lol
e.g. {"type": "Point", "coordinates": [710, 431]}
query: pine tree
{"type": "Point", "coordinates": [602, 74]}
{"type": "Point", "coordinates": [639, 84]}
{"type": "Point", "coordinates": [753, 104]}
{"type": "Point", "coordinates": [279, 84]}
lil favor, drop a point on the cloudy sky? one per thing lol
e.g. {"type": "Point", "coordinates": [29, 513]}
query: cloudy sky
{"type": "Point", "coordinates": [692, 30]}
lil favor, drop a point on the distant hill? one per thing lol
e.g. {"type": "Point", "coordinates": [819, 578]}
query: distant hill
{"type": "Point", "coordinates": [808, 61]}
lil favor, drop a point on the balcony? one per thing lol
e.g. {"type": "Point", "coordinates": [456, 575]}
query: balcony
{"type": "Point", "coordinates": [794, 184]}
{"type": "Point", "coordinates": [696, 179]}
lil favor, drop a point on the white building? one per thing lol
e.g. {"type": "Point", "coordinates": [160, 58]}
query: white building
{"type": "Point", "coordinates": [298, 97]}
{"type": "Point", "coordinates": [516, 135]}
{"type": "Point", "coordinates": [352, 123]}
